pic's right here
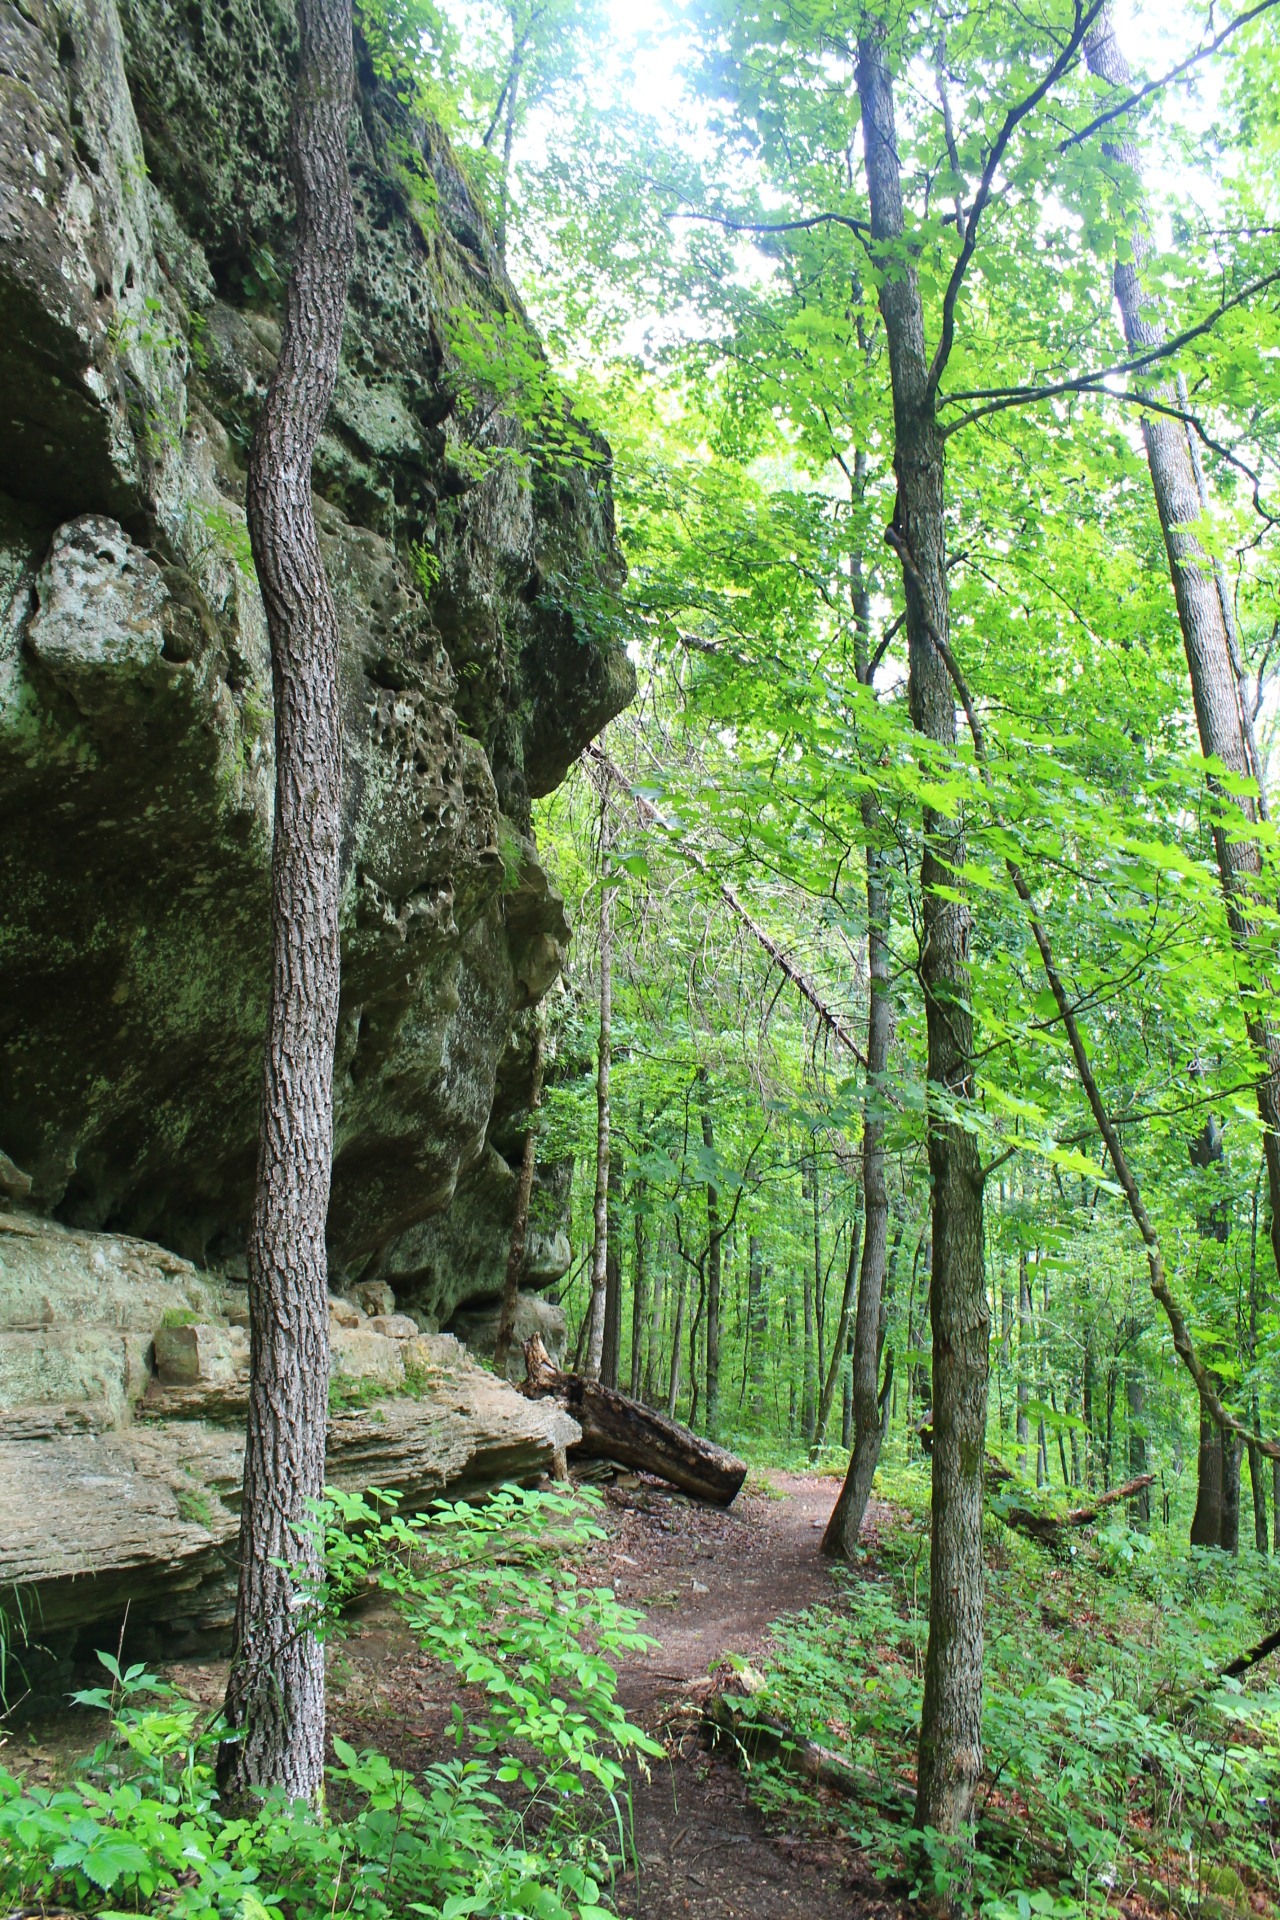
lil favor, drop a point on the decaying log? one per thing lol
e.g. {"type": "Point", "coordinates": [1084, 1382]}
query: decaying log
{"type": "Point", "coordinates": [1250, 1658]}
{"type": "Point", "coordinates": [1043, 1526]}
{"type": "Point", "coordinates": [634, 1435]}
{"type": "Point", "coordinates": [759, 1736]}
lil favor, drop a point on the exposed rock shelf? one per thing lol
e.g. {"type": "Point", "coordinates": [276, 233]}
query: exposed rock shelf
{"type": "Point", "coordinates": [123, 1377]}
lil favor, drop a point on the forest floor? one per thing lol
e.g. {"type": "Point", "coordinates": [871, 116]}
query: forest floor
{"type": "Point", "coordinates": [708, 1584]}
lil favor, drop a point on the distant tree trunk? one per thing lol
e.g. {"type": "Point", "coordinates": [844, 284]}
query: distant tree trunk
{"type": "Point", "coordinates": [673, 1383]}
{"type": "Point", "coordinates": [809, 1412]}
{"type": "Point", "coordinates": [819, 1287]}
{"type": "Point", "coordinates": [839, 1345]}
{"type": "Point", "coordinates": [1087, 1397]}
{"type": "Point", "coordinates": [846, 1522]}
{"type": "Point", "coordinates": [1136, 1398]}
{"type": "Point", "coordinates": [275, 1691]}
{"type": "Point", "coordinates": [1206, 1524]}
{"type": "Point", "coordinates": [520, 1224]}
{"type": "Point", "coordinates": [600, 1244]}
{"type": "Point", "coordinates": [1207, 619]}
{"type": "Point", "coordinates": [1006, 1347]}
{"type": "Point", "coordinates": [758, 1327]}
{"type": "Point", "coordinates": [1258, 1487]}
{"type": "Point", "coordinates": [950, 1755]}
{"type": "Point", "coordinates": [1075, 1443]}
{"type": "Point", "coordinates": [1024, 1362]}
{"type": "Point", "coordinates": [611, 1345]}
{"type": "Point", "coordinates": [653, 1356]}
{"type": "Point", "coordinates": [1232, 1448]}
{"type": "Point", "coordinates": [640, 1286]}
{"type": "Point", "coordinates": [713, 1288]}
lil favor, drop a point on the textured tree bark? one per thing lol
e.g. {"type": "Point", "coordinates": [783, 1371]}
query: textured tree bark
{"type": "Point", "coordinates": [950, 1758]}
{"type": "Point", "coordinates": [635, 1436]}
{"type": "Point", "coordinates": [1207, 620]}
{"type": "Point", "coordinates": [713, 1287]}
{"type": "Point", "coordinates": [600, 1242]}
{"type": "Point", "coordinates": [1229, 1538]}
{"type": "Point", "coordinates": [1206, 1523]}
{"type": "Point", "coordinates": [520, 1225]}
{"type": "Point", "coordinates": [275, 1691]}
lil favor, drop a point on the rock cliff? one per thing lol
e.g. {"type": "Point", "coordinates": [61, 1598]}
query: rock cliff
{"type": "Point", "coordinates": [144, 233]}
{"type": "Point", "coordinates": [144, 241]}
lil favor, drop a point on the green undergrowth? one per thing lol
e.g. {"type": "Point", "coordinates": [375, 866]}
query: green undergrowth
{"type": "Point", "coordinates": [1119, 1765]}
{"type": "Point", "coordinates": [512, 1826]}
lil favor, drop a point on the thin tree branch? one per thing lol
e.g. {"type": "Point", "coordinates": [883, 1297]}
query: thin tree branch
{"type": "Point", "coordinates": [1174, 73]}
{"type": "Point", "coordinates": [1014, 117]}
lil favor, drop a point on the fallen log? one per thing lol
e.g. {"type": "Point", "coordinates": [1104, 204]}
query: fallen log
{"type": "Point", "coordinates": [758, 1735]}
{"type": "Point", "coordinates": [634, 1435]}
{"type": "Point", "coordinates": [1043, 1526]}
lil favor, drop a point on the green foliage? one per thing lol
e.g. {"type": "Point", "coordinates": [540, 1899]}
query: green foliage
{"type": "Point", "coordinates": [1115, 1756]}
{"type": "Point", "coordinates": [489, 1594]}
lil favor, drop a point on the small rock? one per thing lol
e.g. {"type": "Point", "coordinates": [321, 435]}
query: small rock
{"type": "Point", "coordinates": [374, 1297]}
{"type": "Point", "coordinates": [344, 1313]}
{"type": "Point", "coordinates": [14, 1183]}
{"type": "Point", "coordinates": [395, 1326]}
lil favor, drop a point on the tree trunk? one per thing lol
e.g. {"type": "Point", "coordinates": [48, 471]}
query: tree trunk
{"type": "Point", "coordinates": [275, 1690]}
{"type": "Point", "coordinates": [635, 1436]}
{"type": "Point", "coordinates": [611, 1344]}
{"type": "Point", "coordinates": [600, 1243]}
{"type": "Point", "coordinates": [673, 1384]}
{"type": "Point", "coordinates": [1232, 1448]}
{"type": "Point", "coordinates": [639, 1289]}
{"type": "Point", "coordinates": [950, 1756]}
{"type": "Point", "coordinates": [1258, 1488]}
{"type": "Point", "coordinates": [653, 1355]}
{"type": "Point", "coordinates": [845, 1523]}
{"type": "Point", "coordinates": [809, 1406]}
{"type": "Point", "coordinates": [1024, 1362]}
{"type": "Point", "coordinates": [713, 1288]}
{"type": "Point", "coordinates": [1207, 620]}
{"type": "Point", "coordinates": [1206, 1524]}
{"type": "Point", "coordinates": [757, 1327]}
{"type": "Point", "coordinates": [520, 1225]}
{"type": "Point", "coordinates": [819, 1286]}
{"type": "Point", "coordinates": [840, 1343]}
{"type": "Point", "coordinates": [1136, 1399]}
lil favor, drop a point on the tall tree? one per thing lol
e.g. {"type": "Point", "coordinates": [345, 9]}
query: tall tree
{"type": "Point", "coordinates": [1207, 620]}
{"type": "Point", "coordinates": [604, 1055]}
{"type": "Point", "coordinates": [275, 1706]}
{"type": "Point", "coordinates": [520, 1223]}
{"type": "Point", "coordinates": [713, 1271]}
{"type": "Point", "coordinates": [950, 1756]}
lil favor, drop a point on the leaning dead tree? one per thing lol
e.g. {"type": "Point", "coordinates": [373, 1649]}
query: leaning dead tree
{"type": "Point", "coordinates": [275, 1693]}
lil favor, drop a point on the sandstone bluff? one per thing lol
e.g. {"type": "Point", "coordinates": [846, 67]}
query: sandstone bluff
{"type": "Point", "coordinates": [144, 236]}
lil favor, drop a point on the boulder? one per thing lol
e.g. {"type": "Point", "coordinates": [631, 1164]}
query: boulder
{"type": "Point", "coordinates": [143, 210]}
{"type": "Point", "coordinates": [479, 1330]}
{"type": "Point", "coordinates": [124, 1379]}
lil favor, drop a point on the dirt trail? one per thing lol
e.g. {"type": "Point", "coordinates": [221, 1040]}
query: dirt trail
{"type": "Point", "coordinates": [708, 1584]}
{"type": "Point", "coordinates": [712, 1584]}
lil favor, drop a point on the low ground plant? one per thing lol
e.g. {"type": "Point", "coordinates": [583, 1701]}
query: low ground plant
{"type": "Point", "coordinates": [1119, 1761]}
{"type": "Point", "coordinates": [510, 1826]}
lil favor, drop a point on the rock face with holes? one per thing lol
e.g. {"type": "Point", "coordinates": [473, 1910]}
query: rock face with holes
{"type": "Point", "coordinates": [145, 230]}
